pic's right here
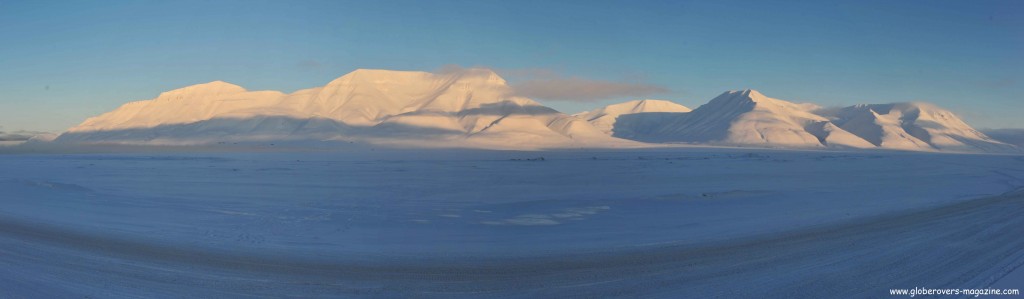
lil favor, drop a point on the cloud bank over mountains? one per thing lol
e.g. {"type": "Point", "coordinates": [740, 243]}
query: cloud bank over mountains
{"type": "Point", "coordinates": [582, 90]}
{"type": "Point", "coordinates": [550, 85]}
{"type": "Point", "coordinates": [18, 136]}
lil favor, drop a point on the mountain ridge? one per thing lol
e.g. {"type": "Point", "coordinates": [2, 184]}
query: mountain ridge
{"type": "Point", "coordinates": [477, 108]}
{"type": "Point", "coordinates": [604, 118]}
{"type": "Point", "coordinates": [749, 118]}
{"type": "Point", "coordinates": [472, 107]}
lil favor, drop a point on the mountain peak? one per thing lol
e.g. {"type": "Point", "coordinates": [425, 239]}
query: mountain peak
{"type": "Point", "coordinates": [747, 94]}
{"type": "Point", "coordinates": [653, 105]}
{"type": "Point", "coordinates": [217, 87]}
{"type": "Point", "coordinates": [406, 77]}
{"type": "Point", "coordinates": [919, 105]}
{"type": "Point", "coordinates": [606, 118]}
{"type": "Point", "coordinates": [474, 74]}
{"type": "Point", "coordinates": [741, 97]}
{"type": "Point", "coordinates": [378, 74]}
{"type": "Point", "coordinates": [634, 106]}
{"type": "Point", "coordinates": [751, 93]}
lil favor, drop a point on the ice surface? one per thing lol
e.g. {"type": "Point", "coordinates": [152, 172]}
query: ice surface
{"type": "Point", "coordinates": [482, 203]}
{"type": "Point", "coordinates": [387, 206]}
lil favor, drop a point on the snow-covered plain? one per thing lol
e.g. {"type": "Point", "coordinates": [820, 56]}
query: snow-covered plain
{"type": "Point", "coordinates": [676, 222]}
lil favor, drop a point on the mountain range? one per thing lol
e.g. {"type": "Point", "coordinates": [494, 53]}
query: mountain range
{"type": "Point", "coordinates": [468, 108]}
{"type": "Point", "coordinates": [476, 108]}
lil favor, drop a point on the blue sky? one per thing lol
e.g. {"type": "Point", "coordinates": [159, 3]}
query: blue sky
{"type": "Point", "coordinates": [63, 61]}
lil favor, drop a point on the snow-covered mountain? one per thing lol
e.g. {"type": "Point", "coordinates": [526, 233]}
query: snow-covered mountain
{"type": "Point", "coordinates": [749, 118]}
{"type": "Point", "coordinates": [476, 108]}
{"type": "Point", "coordinates": [606, 118]}
{"type": "Point", "coordinates": [914, 126]}
{"type": "Point", "coordinates": [470, 108]}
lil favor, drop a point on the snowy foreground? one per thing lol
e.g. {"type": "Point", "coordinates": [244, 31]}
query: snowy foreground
{"type": "Point", "coordinates": [433, 223]}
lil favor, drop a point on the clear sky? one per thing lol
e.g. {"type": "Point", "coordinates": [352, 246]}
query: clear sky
{"type": "Point", "coordinates": [63, 61]}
